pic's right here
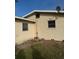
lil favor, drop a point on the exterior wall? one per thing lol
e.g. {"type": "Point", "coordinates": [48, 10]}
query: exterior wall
{"type": "Point", "coordinates": [31, 17]}
{"type": "Point", "coordinates": [22, 36]}
{"type": "Point", "coordinates": [50, 33]}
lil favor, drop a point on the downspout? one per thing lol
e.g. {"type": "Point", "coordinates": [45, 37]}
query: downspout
{"type": "Point", "coordinates": [36, 29]}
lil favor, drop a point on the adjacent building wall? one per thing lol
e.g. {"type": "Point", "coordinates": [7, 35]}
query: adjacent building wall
{"type": "Point", "coordinates": [22, 36]}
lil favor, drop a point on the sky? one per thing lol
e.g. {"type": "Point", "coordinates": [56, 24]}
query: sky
{"type": "Point", "coordinates": [23, 7]}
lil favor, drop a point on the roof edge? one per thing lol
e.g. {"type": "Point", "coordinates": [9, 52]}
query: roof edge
{"type": "Point", "coordinates": [53, 11]}
{"type": "Point", "coordinates": [24, 19]}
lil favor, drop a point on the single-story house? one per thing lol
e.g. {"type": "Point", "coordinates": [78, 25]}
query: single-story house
{"type": "Point", "coordinates": [47, 24]}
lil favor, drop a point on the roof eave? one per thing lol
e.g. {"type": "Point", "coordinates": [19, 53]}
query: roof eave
{"type": "Point", "coordinates": [23, 19]}
{"type": "Point", "coordinates": [51, 11]}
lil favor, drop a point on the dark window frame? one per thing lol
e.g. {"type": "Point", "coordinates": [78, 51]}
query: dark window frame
{"type": "Point", "coordinates": [24, 26]}
{"type": "Point", "coordinates": [51, 24]}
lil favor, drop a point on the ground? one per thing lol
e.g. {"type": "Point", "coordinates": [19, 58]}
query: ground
{"type": "Point", "coordinates": [40, 49]}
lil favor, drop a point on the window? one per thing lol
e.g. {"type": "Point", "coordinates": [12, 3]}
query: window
{"type": "Point", "coordinates": [37, 15]}
{"type": "Point", "coordinates": [24, 26]}
{"type": "Point", "coordinates": [51, 23]}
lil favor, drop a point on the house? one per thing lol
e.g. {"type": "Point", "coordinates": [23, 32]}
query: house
{"type": "Point", "coordinates": [47, 24]}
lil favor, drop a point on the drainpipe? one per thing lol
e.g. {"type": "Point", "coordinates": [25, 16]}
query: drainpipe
{"type": "Point", "coordinates": [36, 29]}
{"type": "Point", "coordinates": [36, 20]}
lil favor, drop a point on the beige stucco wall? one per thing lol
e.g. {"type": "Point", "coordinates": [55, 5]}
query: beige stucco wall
{"type": "Point", "coordinates": [50, 33]}
{"type": "Point", "coordinates": [22, 36]}
{"type": "Point", "coordinates": [31, 17]}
